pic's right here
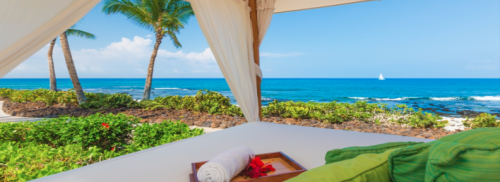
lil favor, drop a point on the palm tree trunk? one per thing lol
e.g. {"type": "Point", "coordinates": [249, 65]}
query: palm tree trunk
{"type": "Point", "coordinates": [149, 78]}
{"type": "Point", "coordinates": [52, 72]}
{"type": "Point", "coordinates": [71, 69]}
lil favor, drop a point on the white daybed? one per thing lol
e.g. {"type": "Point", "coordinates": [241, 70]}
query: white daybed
{"type": "Point", "coordinates": [172, 162]}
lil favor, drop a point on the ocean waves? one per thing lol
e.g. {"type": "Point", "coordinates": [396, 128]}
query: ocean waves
{"type": "Point", "coordinates": [171, 88]}
{"type": "Point", "coordinates": [471, 98]}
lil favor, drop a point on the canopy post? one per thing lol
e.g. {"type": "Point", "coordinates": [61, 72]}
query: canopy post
{"type": "Point", "coordinates": [256, 43]}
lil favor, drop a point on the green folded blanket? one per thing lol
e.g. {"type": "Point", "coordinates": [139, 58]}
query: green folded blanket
{"type": "Point", "coordinates": [472, 155]}
{"type": "Point", "coordinates": [365, 167]}
{"type": "Point", "coordinates": [352, 152]}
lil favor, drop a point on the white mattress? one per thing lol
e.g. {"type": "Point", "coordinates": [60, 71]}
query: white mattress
{"type": "Point", "coordinates": [172, 162]}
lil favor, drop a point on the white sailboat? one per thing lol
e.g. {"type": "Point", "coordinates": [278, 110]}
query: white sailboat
{"type": "Point", "coordinates": [381, 77]}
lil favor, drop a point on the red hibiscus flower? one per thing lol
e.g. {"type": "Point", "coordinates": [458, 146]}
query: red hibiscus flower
{"type": "Point", "coordinates": [256, 168]}
{"type": "Point", "coordinates": [106, 125]}
{"type": "Point", "coordinates": [112, 148]}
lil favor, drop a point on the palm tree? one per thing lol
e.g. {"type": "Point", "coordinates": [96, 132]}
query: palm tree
{"type": "Point", "coordinates": [163, 17]}
{"type": "Point", "coordinates": [69, 59]}
{"type": "Point", "coordinates": [52, 72]}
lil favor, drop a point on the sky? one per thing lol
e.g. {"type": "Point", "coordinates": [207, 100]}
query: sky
{"type": "Point", "coordinates": [398, 38]}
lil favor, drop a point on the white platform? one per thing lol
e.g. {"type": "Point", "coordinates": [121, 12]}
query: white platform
{"type": "Point", "coordinates": [172, 162]}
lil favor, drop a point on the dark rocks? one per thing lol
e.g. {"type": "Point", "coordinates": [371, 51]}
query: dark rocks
{"type": "Point", "coordinates": [206, 124]}
{"type": "Point", "coordinates": [223, 125]}
{"type": "Point", "coordinates": [215, 124]}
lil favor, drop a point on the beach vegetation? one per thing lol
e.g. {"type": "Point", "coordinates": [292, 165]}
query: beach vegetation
{"type": "Point", "coordinates": [204, 101]}
{"type": "Point", "coordinates": [483, 120]}
{"type": "Point", "coordinates": [164, 17]}
{"type": "Point", "coordinates": [215, 103]}
{"type": "Point", "coordinates": [94, 100]}
{"type": "Point", "coordinates": [30, 150]}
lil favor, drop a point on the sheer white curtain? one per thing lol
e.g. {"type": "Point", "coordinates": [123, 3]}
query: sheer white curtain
{"type": "Point", "coordinates": [265, 11]}
{"type": "Point", "coordinates": [228, 30]}
{"type": "Point", "coordinates": [27, 25]}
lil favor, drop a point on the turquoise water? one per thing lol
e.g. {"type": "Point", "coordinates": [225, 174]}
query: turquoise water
{"type": "Point", "coordinates": [439, 95]}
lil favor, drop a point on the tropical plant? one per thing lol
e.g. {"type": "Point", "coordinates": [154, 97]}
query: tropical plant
{"type": "Point", "coordinates": [69, 59]}
{"type": "Point", "coordinates": [30, 150]}
{"type": "Point", "coordinates": [163, 17]}
{"type": "Point", "coordinates": [28, 161]}
{"type": "Point", "coordinates": [483, 120]}
{"type": "Point", "coordinates": [204, 101]}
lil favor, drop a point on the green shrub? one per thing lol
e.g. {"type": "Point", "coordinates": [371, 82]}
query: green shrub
{"type": "Point", "coordinates": [95, 100]}
{"type": "Point", "coordinates": [104, 131]}
{"type": "Point", "coordinates": [150, 135]}
{"type": "Point", "coordinates": [331, 112]}
{"type": "Point", "coordinates": [100, 100]}
{"type": "Point", "coordinates": [23, 162]}
{"type": "Point", "coordinates": [421, 119]}
{"type": "Point", "coordinates": [204, 101]}
{"type": "Point", "coordinates": [30, 150]}
{"type": "Point", "coordinates": [483, 120]}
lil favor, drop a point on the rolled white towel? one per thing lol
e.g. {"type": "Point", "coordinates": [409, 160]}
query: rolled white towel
{"type": "Point", "coordinates": [226, 165]}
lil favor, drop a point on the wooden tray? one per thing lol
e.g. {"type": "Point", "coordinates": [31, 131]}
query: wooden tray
{"type": "Point", "coordinates": [286, 168]}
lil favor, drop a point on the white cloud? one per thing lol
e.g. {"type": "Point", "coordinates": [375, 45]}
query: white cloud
{"type": "Point", "coordinates": [127, 58]}
{"type": "Point", "coordinates": [280, 55]}
{"type": "Point", "coordinates": [124, 59]}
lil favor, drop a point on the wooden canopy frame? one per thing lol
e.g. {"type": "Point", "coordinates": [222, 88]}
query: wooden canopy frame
{"type": "Point", "coordinates": [256, 51]}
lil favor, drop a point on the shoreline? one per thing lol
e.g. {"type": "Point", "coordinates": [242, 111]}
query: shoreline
{"type": "Point", "coordinates": [216, 122]}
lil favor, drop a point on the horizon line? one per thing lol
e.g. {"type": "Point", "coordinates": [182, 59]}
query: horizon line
{"type": "Point", "coordinates": [263, 78]}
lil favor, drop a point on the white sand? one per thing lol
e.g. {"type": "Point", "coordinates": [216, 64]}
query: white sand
{"type": "Point", "coordinates": [454, 123]}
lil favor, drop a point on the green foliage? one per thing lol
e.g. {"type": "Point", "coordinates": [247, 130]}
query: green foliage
{"type": "Point", "coordinates": [100, 100]}
{"type": "Point", "coordinates": [331, 112]}
{"type": "Point", "coordinates": [483, 120]}
{"type": "Point", "coordinates": [216, 104]}
{"type": "Point", "coordinates": [94, 100]}
{"type": "Point", "coordinates": [79, 33]}
{"type": "Point", "coordinates": [204, 101]}
{"type": "Point", "coordinates": [421, 119]}
{"type": "Point", "coordinates": [150, 135]}
{"type": "Point", "coordinates": [163, 17]}
{"type": "Point", "coordinates": [103, 131]}
{"type": "Point", "coordinates": [30, 150]}
{"type": "Point", "coordinates": [23, 162]}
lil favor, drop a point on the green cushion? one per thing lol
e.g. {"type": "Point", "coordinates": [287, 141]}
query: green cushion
{"type": "Point", "coordinates": [467, 156]}
{"type": "Point", "coordinates": [352, 152]}
{"type": "Point", "coordinates": [408, 163]}
{"type": "Point", "coordinates": [448, 158]}
{"type": "Point", "coordinates": [366, 167]}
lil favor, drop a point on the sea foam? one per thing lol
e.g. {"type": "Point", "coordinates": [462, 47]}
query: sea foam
{"type": "Point", "coordinates": [486, 98]}
{"type": "Point", "coordinates": [167, 88]}
{"type": "Point", "coordinates": [444, 98]}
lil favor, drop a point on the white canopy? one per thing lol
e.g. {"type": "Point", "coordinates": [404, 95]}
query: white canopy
{"type": "Point", "coordinates": [27, 25]}
{"type": "Point", "coordinates": [296, 5]}
{"type": "Point", "coordinates": [234, 37]}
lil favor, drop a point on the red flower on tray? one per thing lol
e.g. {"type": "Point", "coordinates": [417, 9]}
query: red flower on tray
{"type": "Point", "coordinates": [106, 125]}
{"type": "Point", "coordinates": [256, 168]}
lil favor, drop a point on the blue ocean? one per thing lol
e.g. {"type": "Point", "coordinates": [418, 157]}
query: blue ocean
{"type": "Point", "coordinates": [442, 96]}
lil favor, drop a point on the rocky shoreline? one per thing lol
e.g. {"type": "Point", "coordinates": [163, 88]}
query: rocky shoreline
{"type": "Point", "coordinates": [41, 110]}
